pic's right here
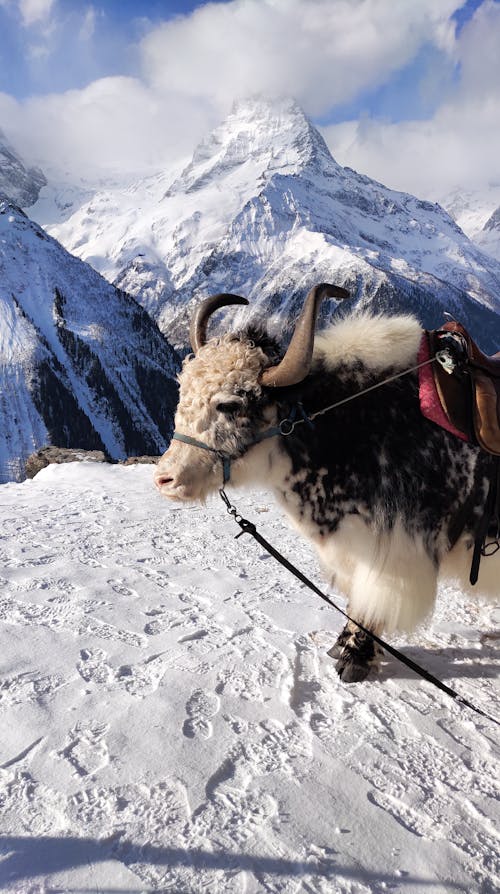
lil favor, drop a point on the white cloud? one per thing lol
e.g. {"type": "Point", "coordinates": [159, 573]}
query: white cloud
{"type": "Point", "coordinates": [459, 145]}
{"type": "Point", "coordinates": [38, 51]}
{"type": "Point", "coordinates": [87, 28]}
{"type": "Point", "coordinates": [323, 52]}
{"type": "Point", "coordinates": [33, 11]}
{"type": "Point", "coordinates": [115, 125]}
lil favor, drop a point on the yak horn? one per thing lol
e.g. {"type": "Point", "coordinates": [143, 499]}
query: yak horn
{"type": "Point", "coordinates": [202, 314]}
{"type": "Point", "coordinates": [295, 365]}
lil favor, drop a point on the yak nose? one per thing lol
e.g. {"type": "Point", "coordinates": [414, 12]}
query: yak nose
{"type": "Point", "coordinates": [162, 478]}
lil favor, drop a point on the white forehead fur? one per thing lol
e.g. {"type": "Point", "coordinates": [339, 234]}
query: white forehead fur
{"type": "Point", "coordinates": [378, 341]}
{"type": "Point", "coordinates": [219, 366]}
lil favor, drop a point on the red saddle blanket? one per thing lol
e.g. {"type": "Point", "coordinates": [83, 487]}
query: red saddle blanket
{"type": "Point", "coordinates": [430, 403]}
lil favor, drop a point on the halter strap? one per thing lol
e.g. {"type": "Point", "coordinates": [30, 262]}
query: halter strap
{"type": "Point", "coordinates": [285, 427]}
{"type": "Point", "coordinates": [224, 458]}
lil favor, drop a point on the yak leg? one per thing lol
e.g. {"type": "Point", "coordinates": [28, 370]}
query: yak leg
{"type": "Point", "coordinates": [356, 652]}
{"type": "Point", "coordinates": [390, 580]}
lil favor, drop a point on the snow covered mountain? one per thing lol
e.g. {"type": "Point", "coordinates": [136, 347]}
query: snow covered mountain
{"type": "Point", "coordinates": [81, 363]}
{"type": "Point", "coordinates": [263, 209]}
{"type": "Point", "coordinates": [477, 213]}
{"type": "Point", "coordinates": [17, 182]}
{"type": "Point", "coordinates": [489, 237]}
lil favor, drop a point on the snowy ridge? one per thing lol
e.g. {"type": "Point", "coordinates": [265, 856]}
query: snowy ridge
{"type": "Point", "coordinates": [478, 215]}
{"type": "Point", "coordinates": [171, 720]}
{"type": "Point", "coordinates": [81, 364]}
{"type": "Point", "coordinates": [17, 182]}
{"type": "Point", "coordinates": [489, 237]}
{"type": "Point", "coordinates": [263, 209]}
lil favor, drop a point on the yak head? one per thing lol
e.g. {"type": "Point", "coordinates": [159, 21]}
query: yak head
{"type": "Point", "coordinates": [227, 397]}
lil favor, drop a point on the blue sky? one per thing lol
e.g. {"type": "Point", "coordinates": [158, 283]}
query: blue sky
{"type": "Point", "coordinates": [72, 63]}
{"type": "Point", "coordinates": [134, 85]}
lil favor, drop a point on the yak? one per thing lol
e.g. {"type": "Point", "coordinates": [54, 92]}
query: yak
{"type": "Point", "coordinates": [374, 485]}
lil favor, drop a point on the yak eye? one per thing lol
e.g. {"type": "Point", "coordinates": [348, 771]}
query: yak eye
{"type": "Point", "coordinates": [229, 406]}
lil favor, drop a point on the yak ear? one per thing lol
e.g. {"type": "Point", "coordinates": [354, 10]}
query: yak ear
{"type": "Point", "coordinates": [259, 336]}
{"type": "Point", "coordinates": [202, 314]}
{"type": "Point", "coordinates": [296, 363]}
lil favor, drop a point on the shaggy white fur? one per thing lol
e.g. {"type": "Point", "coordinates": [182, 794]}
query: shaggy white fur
{"type": "Point", "coordinates": [389, 580]}
{"type": "Point", "coordinates": [379, 342]}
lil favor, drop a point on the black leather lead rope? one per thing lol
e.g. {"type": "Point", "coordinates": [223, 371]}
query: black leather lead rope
{"type": "Point", "coordinates": [247, 527]}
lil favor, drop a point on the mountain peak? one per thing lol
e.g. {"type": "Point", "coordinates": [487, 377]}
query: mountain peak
{"type": "Point", "coordinates": [274, 136]}
{"type": "Point", "coordinates": [275, 117]}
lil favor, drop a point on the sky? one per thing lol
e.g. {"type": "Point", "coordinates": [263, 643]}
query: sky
{"type": "Point", "coordinates": [406, 92]}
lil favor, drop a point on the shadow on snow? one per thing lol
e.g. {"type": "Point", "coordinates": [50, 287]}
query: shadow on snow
{"type": "Point", "coordinates": [27, 857]}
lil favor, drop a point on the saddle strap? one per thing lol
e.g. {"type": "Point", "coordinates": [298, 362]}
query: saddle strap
{"type": "Point", "coordinates": [491, 515]}
{"type": "Point", "coordinates": [486, 406]}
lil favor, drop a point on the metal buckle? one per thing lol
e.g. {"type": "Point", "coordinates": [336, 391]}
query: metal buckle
{"type": "Point", "coordinates": [286, 427]}
{"type": "Point", "coordinates": [446, 359]}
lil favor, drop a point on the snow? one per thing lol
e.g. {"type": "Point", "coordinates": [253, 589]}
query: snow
{"type": "Point", "coordinates": [472, 209]}
{"type": "Point", "coordinates": [171, 721]}
{"type": "Point", "coordinates": [21, 184]}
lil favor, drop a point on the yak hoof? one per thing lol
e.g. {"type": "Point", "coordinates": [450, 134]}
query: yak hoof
{"type": "Point", "coordinates": [350, 670]}
{"type": "Point", "coordinates": [339, 646]}
{"type": "Point", "coordinates": [357, 653]}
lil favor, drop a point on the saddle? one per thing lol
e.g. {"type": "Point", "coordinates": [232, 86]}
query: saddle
{"type": "Point", "coordinates": [467, 382]}
{"type": "Point", "coordinates": [460, 391]}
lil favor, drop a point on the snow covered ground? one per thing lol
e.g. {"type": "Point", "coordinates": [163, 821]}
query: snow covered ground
{"type": "Point", "coordinates": [170, 720]}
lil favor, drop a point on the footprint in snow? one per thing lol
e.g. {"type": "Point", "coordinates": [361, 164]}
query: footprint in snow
{"type": "Point", "coordinates": [86, 748]}
{"type": "Point", "coordinates": [145, 677]}
{"type": "Point", "coordinates": [93, 666]}
{"type": "Point", "coordinates": [119, 587]}
{"type": "Point", "coordinates": [28, 687]}
{"type": "Point", "coordinates": [200, 707]}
